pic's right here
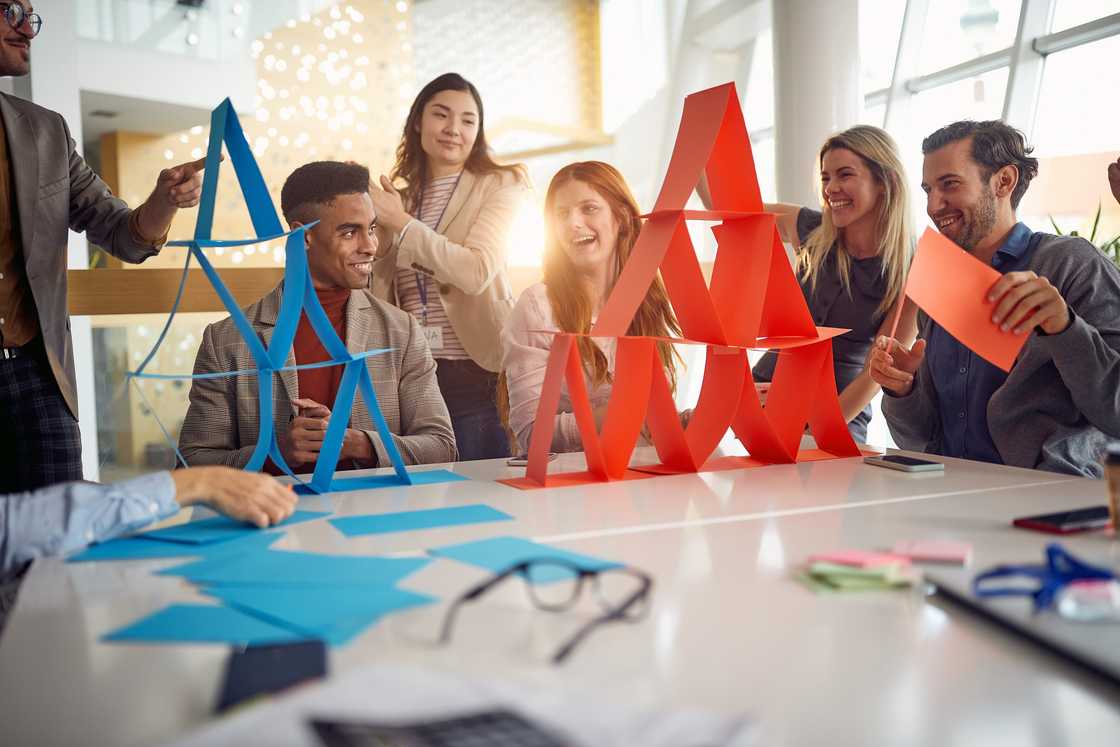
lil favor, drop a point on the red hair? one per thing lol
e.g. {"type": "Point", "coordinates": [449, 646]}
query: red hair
{"type": "Point", "coordinates": [571, 306]}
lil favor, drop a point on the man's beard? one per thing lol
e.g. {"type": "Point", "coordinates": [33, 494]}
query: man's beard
{"type": "Point", "coordinates": [981, 221]}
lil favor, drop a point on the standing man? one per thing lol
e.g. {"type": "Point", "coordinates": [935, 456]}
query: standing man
{"type": "Point", "coordinates": [1060, 404]}
{"type": "Point", "coordinates": [46, 188]}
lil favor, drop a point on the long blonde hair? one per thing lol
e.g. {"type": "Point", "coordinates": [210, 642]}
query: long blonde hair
{"type": "Point", "coordinates": [894, 227]}
{"type": "Point", "coordinates": [571, 305]}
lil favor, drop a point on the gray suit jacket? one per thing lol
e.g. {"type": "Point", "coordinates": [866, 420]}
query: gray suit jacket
{"type": "Point", "coordinates": [223, 418]}
{"type": "Point", "coordinates": [1060, 405]}
{"type": "Point", "coordinates": [55, 190]}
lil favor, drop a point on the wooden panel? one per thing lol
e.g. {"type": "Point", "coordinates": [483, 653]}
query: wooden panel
{"type": "Point", "coordinates": [106, 291]}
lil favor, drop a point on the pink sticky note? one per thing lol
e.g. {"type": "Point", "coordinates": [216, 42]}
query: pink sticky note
{"type": "Point", "coordinates": [934, 551]}
{"type": "Point", "coordinates": [859, 558]}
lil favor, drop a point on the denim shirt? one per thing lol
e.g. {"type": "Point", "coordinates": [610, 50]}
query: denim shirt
{"type": "Point", "coordinates": [964, 381]}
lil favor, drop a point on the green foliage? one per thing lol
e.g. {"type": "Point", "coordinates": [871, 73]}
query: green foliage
{"type": "Point", "coordinates": [1110, 248]}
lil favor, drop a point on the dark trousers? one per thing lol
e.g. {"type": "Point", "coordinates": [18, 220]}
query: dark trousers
{"type": "Point", "coordinates": [40, 443]}
{"type": "Point", "coordinates": [470, 393]}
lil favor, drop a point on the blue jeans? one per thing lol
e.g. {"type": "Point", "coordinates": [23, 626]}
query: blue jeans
{"type": "Point", "coordinates": [469, 391]}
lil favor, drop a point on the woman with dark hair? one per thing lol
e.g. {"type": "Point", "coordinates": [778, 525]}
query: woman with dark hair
{"type": "Point", "coordinates": [446, 210]}
{"type": "Point", "coordinates": [592, 223]}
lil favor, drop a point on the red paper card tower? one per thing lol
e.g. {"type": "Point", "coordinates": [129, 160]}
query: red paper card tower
{"type": "Point", "coordinates": [752, 302]}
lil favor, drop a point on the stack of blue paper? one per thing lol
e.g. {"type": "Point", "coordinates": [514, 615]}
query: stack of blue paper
{"type": "Point", "coordinates": [266, 595]}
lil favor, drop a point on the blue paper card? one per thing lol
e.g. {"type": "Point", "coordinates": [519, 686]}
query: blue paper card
{"type": "Point", "coordinates": [332, 614]}
{"type": "Point", "coordinates": [200, 623]}
{"type": "Point", "coordinates": [285, 568]}
{"type": "Point", "coordinates": [499, 553]}
{"type": "Point", "coordinates": [221, 529]}
{"type": "Point", "coordinates": [140, 548]}
{"type": "Point", "coordinates": [408, 521]}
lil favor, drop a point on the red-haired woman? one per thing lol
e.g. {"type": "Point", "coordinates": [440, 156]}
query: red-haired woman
{"type": "Point", "coordinates": [447, 208]}
{"type": "Point", "coordinates": [592, 222]}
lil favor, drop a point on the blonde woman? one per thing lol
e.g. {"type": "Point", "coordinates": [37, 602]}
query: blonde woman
{"type": "Point", "coordinates": [852, 257]}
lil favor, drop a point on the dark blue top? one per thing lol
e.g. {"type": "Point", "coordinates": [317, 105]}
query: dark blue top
{"type": "Point", "coordinates": [831, 305]}
{"type": "Point", "coordinates": [964, 381]}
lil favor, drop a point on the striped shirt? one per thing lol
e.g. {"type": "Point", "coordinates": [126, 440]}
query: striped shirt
{"type": "Point", "coordinates": [433, 203]}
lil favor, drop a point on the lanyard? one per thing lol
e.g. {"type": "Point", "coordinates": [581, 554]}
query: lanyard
{"type": "Point", "coordinates": [1060, 569]}
{"type": "Point", "coordinates": [422, 278]}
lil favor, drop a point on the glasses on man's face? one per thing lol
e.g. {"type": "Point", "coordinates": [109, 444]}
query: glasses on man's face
{"type": "Point", "coordinates": [15, 15]}
{"type": "Point", "coordinates": [555, 585]}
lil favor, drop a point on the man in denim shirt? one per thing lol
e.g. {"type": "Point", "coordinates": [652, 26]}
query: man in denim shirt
{"type": "Point", "coordinates": [1060, 403]}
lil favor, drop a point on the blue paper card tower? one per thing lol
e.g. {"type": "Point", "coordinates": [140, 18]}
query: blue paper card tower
{"type": "Point", "coordinates": [298, 296]}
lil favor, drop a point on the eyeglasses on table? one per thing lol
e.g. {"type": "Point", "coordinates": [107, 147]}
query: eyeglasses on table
{"type": "Point", "coordinates": [555, 585]}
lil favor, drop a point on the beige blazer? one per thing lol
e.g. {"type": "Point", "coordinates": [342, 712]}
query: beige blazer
{"type": "Point", "coordinates": [223, 418]}
{"type": "Point", "coordinates": [466, 256]}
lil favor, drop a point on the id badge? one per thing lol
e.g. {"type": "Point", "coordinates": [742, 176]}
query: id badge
{"type": "Point", "coordinates": [434, 335]}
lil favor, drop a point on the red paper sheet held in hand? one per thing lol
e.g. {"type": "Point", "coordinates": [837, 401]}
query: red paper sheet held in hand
{"type": "Point", "coordinates": [952, 287]}
{"type": "Point", "coordinates": [753, 301]}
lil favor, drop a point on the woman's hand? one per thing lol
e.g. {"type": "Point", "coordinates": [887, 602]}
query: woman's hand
{"type": "Point", "coordinates": [388, 205]}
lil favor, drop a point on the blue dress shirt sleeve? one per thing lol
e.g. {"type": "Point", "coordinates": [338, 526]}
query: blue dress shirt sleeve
{"type": "Point", "coordinates": [62, 519]}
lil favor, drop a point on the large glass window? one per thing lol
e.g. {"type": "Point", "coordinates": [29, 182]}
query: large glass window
{"type": "Point", "coordinates": [1070, 13]}
{"type": "Point", "coordinates": [880, 23]}
{"type": "Point", "coordinates": [1075, 137]}
{"type": "Point", "coordinates": [956, 31]}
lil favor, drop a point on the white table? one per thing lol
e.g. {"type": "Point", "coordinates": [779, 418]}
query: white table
{"type": "Point", "coordinates": [729, 630]}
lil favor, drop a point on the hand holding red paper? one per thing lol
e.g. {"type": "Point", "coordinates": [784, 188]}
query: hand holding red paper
{"type": "Point", "coordinates": [1024, 301]}
{"type": "Point", "coordinates": [953, 287]}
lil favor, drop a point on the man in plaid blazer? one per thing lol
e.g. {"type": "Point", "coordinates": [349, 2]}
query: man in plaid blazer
{"type": "Point", "coordinates": [223, 419]}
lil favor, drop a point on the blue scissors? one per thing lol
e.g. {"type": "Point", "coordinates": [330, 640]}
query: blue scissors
{"type": "Point", "coordinates": [1061, 568]}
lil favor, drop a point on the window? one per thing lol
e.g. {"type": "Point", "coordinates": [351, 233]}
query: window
{"type": "Point", "coordinates": [960, 30]}
{"type": "Point", "coordinates": [880, 24]}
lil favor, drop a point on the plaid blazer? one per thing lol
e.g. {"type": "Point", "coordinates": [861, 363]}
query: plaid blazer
{"type": "Point", "coordinates": [223, 418]}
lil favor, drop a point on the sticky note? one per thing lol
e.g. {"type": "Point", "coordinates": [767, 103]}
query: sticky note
{"type": "Point", "coordinates": [408, 521]}
{"type": "Point", "coordinates": [332, 614]}
{"type": "Point", "coordinates": [859, 558]}
{"type": "Point", "coordinates": [499, 553]}
{"type": "Point", "coordinates": [199, 623]}
{"type": "Point", "coordinates": [934, 551]}
{"type": "Point", "coordinates": [221, 529]}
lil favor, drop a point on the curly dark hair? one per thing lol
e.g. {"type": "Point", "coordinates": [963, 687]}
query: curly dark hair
{"type": "Point", "coordinates": [318, 183]}
{"type": "Point", "coordinates": [995, 144]}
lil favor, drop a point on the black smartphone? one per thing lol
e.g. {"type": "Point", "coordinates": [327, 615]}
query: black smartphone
{"type": "Point", "coordinates": [263, 670]}
{"type": "Point", "coordinates": [904, 463]}
{"type": "Point", "coordinates": [498, 727]}
{"type": "Point", "coordinates": [1067, 522]}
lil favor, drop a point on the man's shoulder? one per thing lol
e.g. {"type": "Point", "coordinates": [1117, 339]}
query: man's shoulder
{"type": "Point", "coordinates": [394, 318]}
{"type": "Point", "coordinates": [1064, 255]}
{"type": "Point", "coordinates": [31, 109]}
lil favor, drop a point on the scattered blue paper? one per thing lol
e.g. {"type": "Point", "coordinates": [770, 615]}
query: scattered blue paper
{"type": "Point", "coordinates": [221, 529]}
{"type": "Point", "coordinates": [332, 614]}
{"type": "Point", "coordinates": [199, 623]}
{"type": "Point", "coordinates": [499, 553]}
{"type": "Point", "coordinates": [418, 477]}
{"type": "Point", "coordinates": [407, 521]}
{"type": "Point", "coordinates": [140, 548]}
{"type": "Point", "coordinates": [285, 568]}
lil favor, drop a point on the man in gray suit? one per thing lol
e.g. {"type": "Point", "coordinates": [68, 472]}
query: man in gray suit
{"type": "Point", "coordinates": [1059, 406]}
{"type": "Point", "coordinates": [223, 420]}
{"type": "Point", "coordinates": [46, 188]}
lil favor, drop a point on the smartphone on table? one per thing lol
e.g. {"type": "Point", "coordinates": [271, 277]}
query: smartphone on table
{"type": "Point", "coordinates": [522, 460]}
{"type": "Point", "coordinates": [1067, 522]}
{"type": "Point", "coordinates": [904, 463]}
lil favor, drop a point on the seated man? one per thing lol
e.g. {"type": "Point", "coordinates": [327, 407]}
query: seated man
{"type": "Point", "coordinates": [222, 422]}
{"type": "Point", "coordinates": [1060, 403]}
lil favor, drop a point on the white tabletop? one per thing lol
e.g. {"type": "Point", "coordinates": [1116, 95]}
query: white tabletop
{"type": "Point", "coordinates": [729, 629]}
